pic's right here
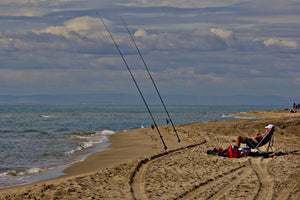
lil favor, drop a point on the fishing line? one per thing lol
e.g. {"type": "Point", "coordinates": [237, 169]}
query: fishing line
{"type": "Point", "coordinates": [168, 120]}
{"type": "Point", "coordinates": [117, 47]}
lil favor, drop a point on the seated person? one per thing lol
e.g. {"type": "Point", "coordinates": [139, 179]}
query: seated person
{"type": "Point", "coordinates": [257, 138]}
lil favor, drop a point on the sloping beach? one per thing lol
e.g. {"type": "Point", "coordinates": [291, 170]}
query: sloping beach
{"type": "Point", "coordinates": [137, 167]}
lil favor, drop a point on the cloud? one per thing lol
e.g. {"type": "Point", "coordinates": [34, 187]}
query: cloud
{"type": "Point", "coordinates": [22, 2]}
{"type": "Point", "coordinates": [140, 33]}
{"type": "Point", "coordinates": [222, 33]}
{"type": "Point", "coordinates": [189, 40]}
{"type": "Point", "coordinates": [179, 3]}
{"type": "Point", "coordinates": [283, 43]}
{"type": "Point", "coordinates": [17, 77]}
{"type": "Point", "coordinates": [84, 26]}
{"type": "Point", "coordinates": [31, 42]}
{"type": "Point", "coordinates": [189, 45]}
{"type": "Point", "coordinates": [28, 8]}
{"type": "Point", "coordinates": [185, 74]}
{"type": "Point", "coordinates": [36, 2]}
{"type": "Point", "coordinates": [81, 35]}
{"type": "Point", "coordinates": [6, 44]}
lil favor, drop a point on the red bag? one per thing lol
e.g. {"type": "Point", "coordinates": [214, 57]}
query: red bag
{"type": "Point", "coordinates": [233, 152]}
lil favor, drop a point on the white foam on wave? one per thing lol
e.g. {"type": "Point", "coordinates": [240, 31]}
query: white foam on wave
{"type": "Point", "coordinates": [226, 116]}
{"type": "Point", "coordinates": [20, 177]}
{"type": "Point", "coordinates": [236, 116]}
{"type": "Point", "coordinates": [12, 172]}
{"type": "Point", "coordinates": [3, 174]}
{"type": "Point", "coordinates": [106, 132]}
{"type": "Point", "coordinates": [91, 140]}
{"type": "Point", "coordinates": [46, 116]}
{"type": "Point", "coordinates": [244, 117]}
{"type": "Point", "coordinates": [34, 170]}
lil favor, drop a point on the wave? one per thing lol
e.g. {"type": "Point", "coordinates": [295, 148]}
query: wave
{"type": "Point", "coordinates": [12, 177]}
{"type": "Point", "coordinates": [103, 132]}
{"type": "Point", "coordinates": [236, 117]}
{"type": "Point", "coordinates": [6, 131]}
{"type": "Point", "coordinates": [30, 131]}
{"type": "Point", "coordinates": [227, 116]}
{"type": "Point", "coordinates": [62, 130]}
{"type": "Point", "coordinates": [22, 172]}
{"type": "Point", "coordinates": [44, 133]}
{"type": "Point", "coordinates": [89, 139]}
{"type": "Point", "coordinates": [243, 117]}
{"type": "Point", "coordinates": [21, 131]}
{"type": "Point", "coordinates": [46, 116]}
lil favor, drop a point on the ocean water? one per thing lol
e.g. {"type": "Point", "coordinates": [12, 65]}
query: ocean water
{"type": "Point", "coordinates": [38, 141]}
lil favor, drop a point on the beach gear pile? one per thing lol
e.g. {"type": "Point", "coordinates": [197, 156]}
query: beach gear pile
{"type": "Point", "coordinates": [253, 147]}
{"type": "Point", "coordinates": [234, 152]}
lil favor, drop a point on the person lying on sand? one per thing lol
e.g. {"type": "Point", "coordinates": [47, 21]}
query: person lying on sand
{"type": "Point", "coordinates": [242, 153]}
{"type": "Point", "coordinates": [258, 137]}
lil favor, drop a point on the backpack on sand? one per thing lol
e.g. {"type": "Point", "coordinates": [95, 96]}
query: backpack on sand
{"type": "Point", "coordinates": [233, 152]}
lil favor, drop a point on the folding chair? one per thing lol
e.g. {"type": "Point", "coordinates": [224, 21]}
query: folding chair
{"type": "Point", "coordinates": [266, 139]}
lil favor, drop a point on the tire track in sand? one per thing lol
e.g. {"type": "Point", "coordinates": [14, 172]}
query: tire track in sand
{"type": "Point", "coordinates": [285, 194]}
{"type": "Point", "coordinates": [204, 190]}
{"type": "Point", "coordinates": [266, 181]}
{"type": "Point", "coordinates": [263, 186]}
{"type": "Point", "coordinates": [137, 179]}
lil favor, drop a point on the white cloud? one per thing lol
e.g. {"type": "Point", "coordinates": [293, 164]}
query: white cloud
{"type": "Point", "coordinates": [283, 43]}
{"type": "Point", "coordinates": [222, 33]}
{"type": "Point", "coordinates": [196, 40]}
{"type": "Point", "coordinates": [140, 33]}
{"type": "Point", "coordinates": [6, 44]}
{"type": "Point", "coordinates": [193, 46]}
{"type": "Point", "coordinates": [84, 26]}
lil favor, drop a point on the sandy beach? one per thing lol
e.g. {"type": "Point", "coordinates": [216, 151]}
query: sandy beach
{"type": "Point", "coordinates": [138, 167]}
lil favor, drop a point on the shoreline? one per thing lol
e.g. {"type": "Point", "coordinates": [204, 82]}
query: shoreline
{"type": "Point", "coordinates": [129, 147]}
{"type": "Point", "coordinates": [117, 152]}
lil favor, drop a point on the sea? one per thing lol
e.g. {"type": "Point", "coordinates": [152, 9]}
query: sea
{"type": "Point", "coordinates": [37, 142]}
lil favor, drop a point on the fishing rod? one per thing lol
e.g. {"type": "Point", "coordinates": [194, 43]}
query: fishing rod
{"type": "Point", "coordinates": [117, 47]}
{"type": "Point", "coordinates": [168, 120]}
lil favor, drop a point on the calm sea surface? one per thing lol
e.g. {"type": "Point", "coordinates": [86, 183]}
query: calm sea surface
{"type": "Point", "coordinates": [38, 142]}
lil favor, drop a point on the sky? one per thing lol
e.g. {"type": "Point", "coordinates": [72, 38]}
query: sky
{"type": "Point", "coordinates": [192, 47]}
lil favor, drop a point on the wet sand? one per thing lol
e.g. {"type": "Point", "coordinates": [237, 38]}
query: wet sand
{"type": "Point", "coordinates": [138, 167]}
